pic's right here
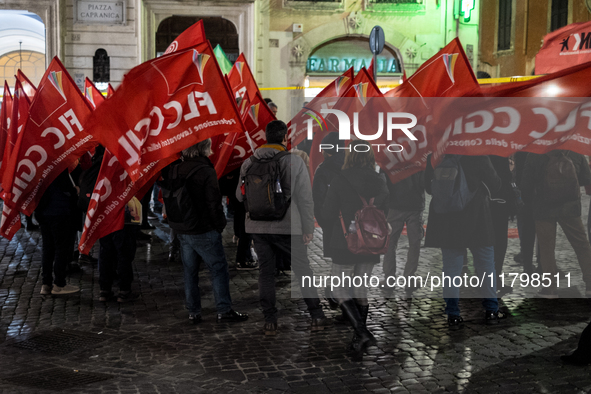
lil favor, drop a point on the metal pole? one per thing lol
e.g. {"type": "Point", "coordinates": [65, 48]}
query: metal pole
{"type": "Point", "coordinates": [375, 67]}
{"type": "Point", "coordinates": [20, 54]}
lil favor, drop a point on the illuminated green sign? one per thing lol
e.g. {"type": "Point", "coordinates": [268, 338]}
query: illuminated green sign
{"type": "Point", "coordinates": [466, 9]}
{"type": "Point", "coordinates": [339, 65]}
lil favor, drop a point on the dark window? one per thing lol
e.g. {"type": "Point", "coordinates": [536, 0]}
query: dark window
{"type": "Point", "coordinates": [101, 67]}
{"type": "Point", "coordinates": [217, 30]}
{"type": "Point", "coordinates": [559, 16]}
{"type": "Point", "coordinates": [504, 33]}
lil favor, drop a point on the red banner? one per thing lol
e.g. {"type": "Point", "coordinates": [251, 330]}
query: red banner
{"type": "Point", "coordinates": [327, 98]}
{"type": "Point", "coordinates": [192, 36]}
{"type": "Point", "coordinates": [53, 137]}
{"type": "Point", "coordinates": [241, 79]}
{"type": "Point", "coordinates": [5, 114]}
{"type": "Point", "coordinates": [92, 94]}
{"type": "Point", "coordinates": [564, 48]}
{"type": "Point", "coordinates": [112, 191]}
{"type": "Point", "coordinates": [170, 104]}
{"type": "Point", "coordinates": [110, 91]}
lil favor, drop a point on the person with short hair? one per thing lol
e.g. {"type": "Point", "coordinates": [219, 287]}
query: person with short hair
{"type": "Point", "coordinates": [288, 236]}
{"type": "Point", "coordinates": [203, 242]}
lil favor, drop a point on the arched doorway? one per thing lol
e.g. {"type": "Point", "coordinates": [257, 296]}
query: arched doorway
{"type": "Point", "coordinates": [22, 46]}
{"type": "Point", "coordinates": [218, 31]}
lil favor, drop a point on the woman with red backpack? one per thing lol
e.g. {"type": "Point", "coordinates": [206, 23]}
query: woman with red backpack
{"type": "Point", "coordinates": [356, 196]}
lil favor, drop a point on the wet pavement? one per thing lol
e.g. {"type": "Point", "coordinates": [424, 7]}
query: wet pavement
{"type": "Point", "coordinates": [77, 344]}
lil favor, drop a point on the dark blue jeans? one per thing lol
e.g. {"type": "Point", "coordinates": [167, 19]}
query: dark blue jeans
{"type": "Point", "coordinates": [116, 257]}
{"type": "Point", "coordinates": [58, 235]}
{"type": "Point", "coordinates": [207, 247]}
{"type": "Point", "coordinates": [484, 263]}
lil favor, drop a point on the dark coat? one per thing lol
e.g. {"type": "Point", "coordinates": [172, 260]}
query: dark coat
{"type": "Point", "coordinates": [505, 193]}
{"type": "Point", "coordinates": [533, 182]}
{"type": "Point", "coordinates": [205, 192]}
{"type": "Point", "coordinates": [343, 197]}
{"type": "Point", "coordinates": [408, 194]}
{"type": "Point", "coordinates": [326, 172]}
{"type": "Point", "coordinates": [60, 197]}
{"type": "Point", "coordinates": [471, 227]}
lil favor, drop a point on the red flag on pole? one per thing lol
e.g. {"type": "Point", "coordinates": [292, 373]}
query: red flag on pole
{"type": "Point", "coordinates": [27, 85]}
{"type": "Point", "coordinates": [327, 98]}
{"type": "Point", "coordinates": [192, 36]}
{"type": "Point", "coordinates": [18, 117]}
{"type": "Point", "coordinates": [447, 74]}
{"type": "Point", "coordinates": [564, 48]}
{"type": "Point", "coordinates": [110, 91]}
{"type": "Point", "coordinates": [53, 137]}
{"type": "Point", "coordinates": [92, 94]}
{"type": "Point", "coordinates": [170, 104]}
{"type": "Point", "coordinates": [241, 79]}
{"type": "Point", "coordinates": [5, 114]}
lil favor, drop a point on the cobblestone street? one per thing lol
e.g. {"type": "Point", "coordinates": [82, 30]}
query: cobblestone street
{"type": "Point", "coordinates": [78, 344]}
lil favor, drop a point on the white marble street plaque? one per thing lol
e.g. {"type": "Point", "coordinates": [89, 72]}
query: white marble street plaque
{"type": "Point", "coordinates": [104, 12]}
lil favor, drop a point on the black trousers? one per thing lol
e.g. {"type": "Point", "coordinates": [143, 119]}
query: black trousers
{"type": "Point", "coordinates": [58, 234]}
{"type": "Point", "coordinates": [268, 247]}
{"type": "Point", "coordinates": [526, 226]}
{"type": "Point", "coordinates": [500, 221]}
{"type": "Point", "coordinates": [116, 255]}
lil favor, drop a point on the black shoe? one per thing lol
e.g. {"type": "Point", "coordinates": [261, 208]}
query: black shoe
{"type": "Point", "coordinates": [270, 329]}
{"type": "Point", "coordinates": [341, 319]}
{"type": "Point", "coordinates": [127, 296]}
{"type": "Point", "coordinates": [321, 324]}
{"type": "Point", "coordinates": [576, 359]}
{"type": "Point", "coordinates": [492, 318]}
{"type": "Point", "coordinates": [106, 296]}
{"type": "Point", "coordinates": [74, 268]}
{"type": "Point", "coordinates": [158, 209]}
{"type": "Point", "coordinates": [332, 302]}
{"type": "Point", "coordinates": [232, 315]}
{"type": "Point", "coordinates": [351, 310]}
{"type": "Point", "coordinates": [152, 215]}
{"type": "Point", "coordinates": [518, 258]}
{"type": "Point", "coordinates": [32, 227]}
{"type": "Point", "coordinates": [246, 266]}
{"type": "Point", "coordinates": [455, 322]}
{"type": "Point", "coordinates": [164, 221]}
{"type": "Point", "coordinates": [87, 259]}
{"type": "Point", "coordinates": [195, 319]}
{"type": "Point", "coordinates": [147, 226]}
{"type": "Point", "coordinates": [172, 257]}
{"type": "Point", "coordinates": [141, 236]}
{"type": "Point", "coordinates": [503, 291]}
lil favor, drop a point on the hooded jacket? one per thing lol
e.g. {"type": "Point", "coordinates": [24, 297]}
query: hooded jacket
{"type": "Point", "coordinates": [343, 197]}
{"type": "Point", "coordinates": [295, 182]}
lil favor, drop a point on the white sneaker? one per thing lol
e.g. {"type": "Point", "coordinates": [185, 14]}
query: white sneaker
{"type": "Point", "coordinates": [67, 289]}
{"type": "Point", "coordinates": [45, 290]}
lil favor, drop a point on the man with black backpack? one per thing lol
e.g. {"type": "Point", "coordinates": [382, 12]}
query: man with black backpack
{"type": "Point", "coordinates": [275, 188]}
{"type": "Point", "coordinates": [552, 184]}
{"type": "Point", "coordinates": [193, 204]}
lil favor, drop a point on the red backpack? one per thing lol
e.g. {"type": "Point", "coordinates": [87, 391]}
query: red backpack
{"type": "Point", "coordinates": [371, 234]}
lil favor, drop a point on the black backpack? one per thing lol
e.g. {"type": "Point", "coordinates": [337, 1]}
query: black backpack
{"type": "Point", "coordinates": [561, 184]}
{"type": "Point", "coordinates": [180, 210]}
{"type": "Point", "coordinates": [264, 195]}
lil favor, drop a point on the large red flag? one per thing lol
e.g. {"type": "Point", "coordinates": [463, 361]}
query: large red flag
{"type": "Point", "coordinates": [192, 36]}
{"type": "Point", "coordinates": [112, 191]}
{"type": "Point", "coordinates": [27, 85]}
{"type": "Point", "coordinates": [53, 137]}
{"type": "Point", "coordinates": [5, 113]}
{"type": "Point", "coordinates": [447, 74]}
{"type": "Point", "coordinates": [564, 48]}
{"type": "Point", "coordinates": [326, 99]}
{"type": "Point", "coordinates": [170, 104]}
{"type": "Point", "coordinates": [92, 94]}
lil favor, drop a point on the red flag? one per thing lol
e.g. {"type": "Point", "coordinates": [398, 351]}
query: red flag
{"type": "Point", "coordinates": [447, 74]}
{"type": "Point", "coordinates": [370, 69]}
{"type": "Point", "coordinates": [18, 117]}
{"type": "Point", "coordinates": [10, 222]}
{"type": "Point", "coordinates": [112, 191]}
{"type": "Point", "coordinates": [170, 104]}
{"type": "Point", "coordinates": [192, 36]}
{"type": "Point", "coordinates": [92, 94]}
{"type": "Point", "coordinates": [564, 48]}
{"type": "Point", "coordinates": [53, 137]}
{"type": "Point", "coordinates": [28, 86]}
{"type": "Point", "coordinates": [110, 91]}
{"type": "Point", "coordinates": [5, 114]}
{"type": "Point", "coordinates": [327, 98]}
{"type": "Point", "coordinates": [241, 79]}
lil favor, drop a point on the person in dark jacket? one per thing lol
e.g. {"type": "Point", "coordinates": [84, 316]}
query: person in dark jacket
{"type": "Point", "coordinates": [357, 179]}
{"type": "Point", "coordinates": [501, 209]}
{"type": "Point", "coordinates": [547, 215]}
{"type": "Point", "coordinates": [326, 172]}
{"type": "Point", "coordinates": [406, 203]}
{"type": "Point", "coordinates": [526, 225]}
{"type": "Point", "coordinates": [470, 228]}
{"type": "Point", "coordinates": [55, 214]}
{"type": "Point", "coordinates": [205, 239]}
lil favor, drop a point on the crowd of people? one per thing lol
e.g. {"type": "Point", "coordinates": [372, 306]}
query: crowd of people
{"type": "Point", "coordinates": [360, 211]}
